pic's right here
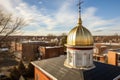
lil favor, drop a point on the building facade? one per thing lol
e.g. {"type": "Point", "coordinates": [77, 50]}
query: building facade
{"type": "Point", "coordinates": [50, 51]}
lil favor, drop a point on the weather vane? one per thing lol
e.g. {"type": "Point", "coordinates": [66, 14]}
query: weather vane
{"type": "Point", "coordinates": [79, 7]}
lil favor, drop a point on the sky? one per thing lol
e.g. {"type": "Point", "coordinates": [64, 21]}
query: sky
{"type": "Point", "coordinates": [43, 17]}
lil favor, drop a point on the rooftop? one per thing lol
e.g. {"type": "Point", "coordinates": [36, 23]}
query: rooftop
{"type": "Point", "coordinates": [54, 68]}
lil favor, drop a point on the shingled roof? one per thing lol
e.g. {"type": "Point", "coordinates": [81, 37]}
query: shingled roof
{"type": "Point", "coordinates": [55, 68]}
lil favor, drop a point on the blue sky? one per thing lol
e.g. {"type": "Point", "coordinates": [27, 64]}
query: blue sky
{"type": "Point", "coordinates": [101, 17]}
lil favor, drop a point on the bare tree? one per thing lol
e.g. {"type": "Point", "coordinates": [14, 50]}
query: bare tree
{"type": "Point", "coordinates": [21, 68]}
{"type": "Point", "coordinates": [51, 35]}
{"type": "Point", "coordinates": [64, 35]}
{"type": "Point", "coordinates": [9, 24]}
{"type": "Point", "coordinates": [63, 39]}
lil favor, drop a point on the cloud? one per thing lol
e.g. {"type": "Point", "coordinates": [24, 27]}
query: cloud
{"type": "Point", "coordinates": [98, 25]}
{"type": "Point", "coordinates": [65, 16]}
{"type": "Point", "coordinates": [47, 23]}
{"type": "Point", "coordinates": [42, 22]}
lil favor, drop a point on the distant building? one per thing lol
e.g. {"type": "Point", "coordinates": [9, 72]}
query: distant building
{"type": "Point", "coordinates": [30, 49]}
{"type": "Point", "coordinates": [15, 46]}
{"type": "Point", "coordinates": [100, 52]}
{"type": "Point", "coordinates": [50, 51]}
{"type": "Point", "coordinates": [114, 57]}
{"type": "Point", "coordinates": [100, 49]}
{"type": "Point", "coordinates": [106, 52]}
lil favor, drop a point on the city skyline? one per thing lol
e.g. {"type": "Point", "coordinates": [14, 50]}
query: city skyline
{"type": "Point", "coordinates": [60, 16]}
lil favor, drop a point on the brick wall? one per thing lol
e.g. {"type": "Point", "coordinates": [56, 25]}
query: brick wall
{"type": "Point", "coordinates": [30, 50]}
{"type": "Point", "coordinates": [51, 52]}
{"type": "Point", "coordinates": [15, 46]}
{"type": "Point", "coordinates": [112, 58]}
{"type": "Point", "coordinates": [39, 75]}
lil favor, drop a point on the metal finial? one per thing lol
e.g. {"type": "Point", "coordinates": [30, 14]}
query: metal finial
{"type": "Point", "coordinates": [79, 10]}
{"type": "Point", "coordinates": [79, 7]}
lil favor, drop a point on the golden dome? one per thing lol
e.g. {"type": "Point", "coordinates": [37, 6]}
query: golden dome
{"type": "Point", "coordinates": [79, 36]}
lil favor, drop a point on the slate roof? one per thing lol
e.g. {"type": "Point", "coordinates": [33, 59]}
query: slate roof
{"type": "Point", "coordinates": [55, 67]}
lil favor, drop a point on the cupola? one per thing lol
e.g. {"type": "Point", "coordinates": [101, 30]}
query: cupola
{"type": "Point", "coordinates": [79, 47]}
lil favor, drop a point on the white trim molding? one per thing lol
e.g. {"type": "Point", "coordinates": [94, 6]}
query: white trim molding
{"type": "Point", "coordinates": [116, 78]}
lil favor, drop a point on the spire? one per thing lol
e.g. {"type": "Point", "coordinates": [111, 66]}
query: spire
{"type": "Point", "coordinates": [79, 10]}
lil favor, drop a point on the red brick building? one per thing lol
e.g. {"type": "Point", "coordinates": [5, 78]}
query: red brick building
{"type": "Point", "coordinates": [49, 52]}
{"type": "Point", "coordinates": [15, 46]}
{"type": "Point", "coordinates": [100, 52]}
{"type": "Point", "coordinates": [39, 75]}
{"type": "Point", "coordinates": [114, 57]}
{"type": "Point", "coordinates": [30, 49]}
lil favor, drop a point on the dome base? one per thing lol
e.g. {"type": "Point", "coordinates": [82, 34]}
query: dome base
{"type": "Point", "coordinates": [79, 67]}
{"type": "Point", "coordinates": [72, 46]}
